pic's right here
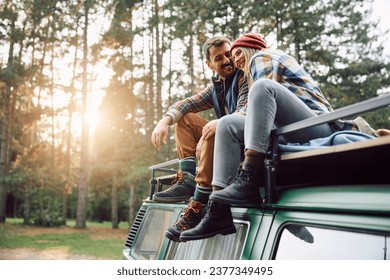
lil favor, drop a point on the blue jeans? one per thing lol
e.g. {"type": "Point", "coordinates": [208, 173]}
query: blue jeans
{"type": "Point", "coordinates": [270, 105]}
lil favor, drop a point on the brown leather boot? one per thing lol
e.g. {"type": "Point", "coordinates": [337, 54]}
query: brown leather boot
{"type": "Point", "coordinates": [182, 189]}
{"type": "Point", "coordinates": [190, 217]}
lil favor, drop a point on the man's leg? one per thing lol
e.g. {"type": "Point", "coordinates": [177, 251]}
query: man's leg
{"type": "Point", "coordinates": [188, 132]}
{"type": "Point", "coordinates": [192, 213]}
{"type": "Point", "coordinates": [205, 171]}
{"type": "Point", "coordinates": [227, 155]}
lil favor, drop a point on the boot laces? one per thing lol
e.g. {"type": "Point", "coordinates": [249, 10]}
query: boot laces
{"type": "Point", "coordinates": [184, 219]}
{"type": "Point", "coordinates": [179, 178]}
{"type": "Point", "coordinates": [243, 174]}
{"type": "Point", "coordinates": [190, 208]}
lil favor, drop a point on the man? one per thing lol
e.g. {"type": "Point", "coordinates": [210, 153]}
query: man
{"type": "Point", "coordinates": [227, 94]}
{"type": "Point", "coordinates": [281, 92]}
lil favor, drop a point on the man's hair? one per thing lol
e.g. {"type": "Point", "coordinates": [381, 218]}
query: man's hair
{"type": "Point", "coordinates": [216, 41]}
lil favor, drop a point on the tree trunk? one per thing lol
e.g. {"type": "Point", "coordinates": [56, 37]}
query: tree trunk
{"type": "Point", "coordinates": [52, 108]}
{"type": "Point", "coordinates": [151, 101]}
{"type": "Point", "coordinates": [4, 152]}
{"type": "Point", "coordinates": [114, 200]}
{"type": "Point", "coordinates": [114, 187]}
{"type": "Point", "coordinates": [69, 179]}
{"type": "Point", "coordinates": [159, 59]}
{"type": "Point", "coordinates": [131, 204]}
{"type": "Point", "coordinates": [191, 64]}
{"type": "Point", "coordinates": [5, 130]}
{"type": "Point", "coordinates": [81, 215]}
{"type": "Point", "coordinates": [26, 206]}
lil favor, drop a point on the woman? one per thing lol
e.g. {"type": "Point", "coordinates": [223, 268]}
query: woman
{"type": "Point", "coordinates": [281, 92]}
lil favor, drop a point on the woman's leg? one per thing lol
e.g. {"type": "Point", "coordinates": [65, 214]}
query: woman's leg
{"type": "Point", "coordinates": [229, 140]}
{"type": "Point", "coordinates": [271, 104]}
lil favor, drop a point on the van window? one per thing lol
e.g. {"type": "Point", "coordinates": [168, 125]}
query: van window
{"type": "Point", "coordinates": [152, 233]}
{"type": "Point", "coordinates": [310, 243]}
{"type": "Point", "coordinates": [219, 247]}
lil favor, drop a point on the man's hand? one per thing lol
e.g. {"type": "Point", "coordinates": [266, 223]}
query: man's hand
{"type": "Point", "coordinates": [209, 129]}
{"type": "Point", "coordinates": [160, 132]}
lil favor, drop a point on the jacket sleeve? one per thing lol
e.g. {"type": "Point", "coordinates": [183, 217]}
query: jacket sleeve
{"type": "Point", "coordinates": [201, 101]}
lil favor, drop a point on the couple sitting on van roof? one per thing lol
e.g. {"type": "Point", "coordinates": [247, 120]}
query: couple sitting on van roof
{"type": "Point", "coordinates": [280, 92]}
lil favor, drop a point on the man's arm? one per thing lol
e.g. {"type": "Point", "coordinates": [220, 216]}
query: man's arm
{"type": "Point", "coordinates": [160, 132]}
{"type": "Point", "coordinates": [199, 102]}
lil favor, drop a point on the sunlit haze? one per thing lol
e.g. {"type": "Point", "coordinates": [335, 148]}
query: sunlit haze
{"type": "Point", "coordinates": [102, 73]}
{"type": "Point", "coordinates": [380, 12]}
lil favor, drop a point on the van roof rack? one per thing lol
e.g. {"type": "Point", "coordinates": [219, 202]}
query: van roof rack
{"type": "Point", "coordinates": [166, 179]}
{"type": "Point", "coordinates": [356, 152]}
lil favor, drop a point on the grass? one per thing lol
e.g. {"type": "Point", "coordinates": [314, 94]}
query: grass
{"type": "Point", "coordinates": [98, 240]}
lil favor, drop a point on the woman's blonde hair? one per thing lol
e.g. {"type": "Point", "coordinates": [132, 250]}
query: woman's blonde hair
{"type": "Point", "coordinates": [248, 54]}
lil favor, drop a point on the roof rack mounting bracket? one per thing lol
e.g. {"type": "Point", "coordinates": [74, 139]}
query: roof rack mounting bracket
{"type": "Point", "coordinates": [270, 169]}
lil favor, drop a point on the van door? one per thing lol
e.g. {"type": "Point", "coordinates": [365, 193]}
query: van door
{"type": "Point", "coordinates": [328, 236]}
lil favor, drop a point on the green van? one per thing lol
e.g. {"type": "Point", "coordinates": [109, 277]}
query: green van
{"type": "Point", "coordinates": [338, 209]}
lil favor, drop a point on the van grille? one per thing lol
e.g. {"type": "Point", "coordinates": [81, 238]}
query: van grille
{"type": "Point", "coordinates": [134, 228]}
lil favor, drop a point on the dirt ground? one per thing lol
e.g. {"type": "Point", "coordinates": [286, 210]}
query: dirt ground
{"type": "Point", "coordinates": [57, 253]}
{"type": "Point", "coordinates": [32, 254]}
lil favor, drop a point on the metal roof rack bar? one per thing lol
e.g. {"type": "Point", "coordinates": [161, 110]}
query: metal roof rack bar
{"type": "Point", "coordinates": [357, 108]}
{"type": "Point", "coordinates": [273, 153]}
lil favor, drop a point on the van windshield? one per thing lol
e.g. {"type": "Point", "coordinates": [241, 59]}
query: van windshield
{"type": "Point", "coordinates": [331, 244]}
{"type": "Point", "coordinates": [228, 247]}
{"type": "Point", "coordinates": [152, 234]}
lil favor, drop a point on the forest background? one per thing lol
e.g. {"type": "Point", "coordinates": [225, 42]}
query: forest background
{"type": "Point", "coordinates": [83, 84]}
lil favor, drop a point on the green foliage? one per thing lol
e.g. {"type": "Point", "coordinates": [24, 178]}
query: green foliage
{"type": "Point", "coordinates": [46, 209]}
{"type": "Point", "coordinates": [82, 243]}
{"type": "Point", "coordinates": [154, 51]}
{"type": "Point", "coordinates": [49, 219]}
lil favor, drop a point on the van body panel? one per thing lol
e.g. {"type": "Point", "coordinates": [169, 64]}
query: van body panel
{"type": "Point", "coordinates": [352, 209]}
{"type": "Point", "coordinates": [363, 198]}
{"type": "Point", "coordinates": [329, 203]}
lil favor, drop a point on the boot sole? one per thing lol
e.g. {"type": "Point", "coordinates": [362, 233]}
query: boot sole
{"type": "Point", "coordinates": [172, 237]}
{"type": "Point", "coordinates": [171, 199]}
{"type": "Point", "coordinates": [225, 231]}
{"type": "Point", "coordinates": [231, 201]}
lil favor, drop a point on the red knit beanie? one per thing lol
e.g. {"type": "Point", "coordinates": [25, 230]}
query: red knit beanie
{"type": "Point", "coordinates": [249, 40]}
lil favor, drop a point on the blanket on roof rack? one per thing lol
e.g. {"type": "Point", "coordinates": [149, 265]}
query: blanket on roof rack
{"type": "Point", "coordinates": [337, 138]}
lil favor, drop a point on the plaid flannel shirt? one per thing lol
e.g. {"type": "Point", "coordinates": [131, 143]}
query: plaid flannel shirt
{"type": "Point", "coordinates": [203, 100]}
{"type": "Point", "coordinates": [277, 65]}
{"type": "Point", "coordinates": [284, 69]}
